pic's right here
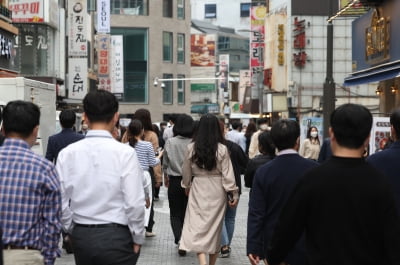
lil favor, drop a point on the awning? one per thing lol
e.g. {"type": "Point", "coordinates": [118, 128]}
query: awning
{"type": "Point", "coordinates": [371, 76]}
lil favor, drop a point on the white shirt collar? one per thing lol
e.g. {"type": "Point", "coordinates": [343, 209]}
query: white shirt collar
{"type": "Point", "coordinates": [98, 133]}
{"type": "Point", "coordinates": [287, 151]}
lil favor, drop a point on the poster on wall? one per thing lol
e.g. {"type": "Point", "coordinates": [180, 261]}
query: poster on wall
{"type": "Point", "coordinates": [380, 134]}
{"type": "Point", "coordinates": [77, 78]}
{"type": "Point", "coordinates": [27, 11]}
{"type": "Point", "coordinates": [117, 68]}
{"type": "Point", "coordinates": [202, 49]}
{"type": "Point", "coordinates": [78, 20]}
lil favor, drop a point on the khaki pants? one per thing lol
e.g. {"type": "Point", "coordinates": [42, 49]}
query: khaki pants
{"type": "Point", "coordinates": [22, 257]}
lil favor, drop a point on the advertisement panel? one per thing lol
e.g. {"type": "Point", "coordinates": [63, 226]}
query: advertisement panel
{"type": "Point", "coordinates": [78, 21]}
{"type": "Point", "coordinates": [103, 16]}
{"type": "Point", "coordinates": [380, 134]}
{"type": "Point", "coordinates": [77, 78]}
{"type": "Point", "coordinates": [223, 82]}
{"type": "Point", "coordinates": [103, 54]}
{"type": "Point", "coordinates": [27, 11]}
{"type": "Point", "coordinates": [356, 10]}
{"type": "Point", "coordinates": [117, 68]}
{"type": "Point", "coordinates": [257, 46]}
{"type": "Point", "coordinates": [202, 49]}
{"type": "Point", "coordinates": [244, 83]}
{"type": "Point", "coordinates": [306, 123]}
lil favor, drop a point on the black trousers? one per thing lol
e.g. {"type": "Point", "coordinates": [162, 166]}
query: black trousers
{"type": "Point", "coordinates": [177, 205]}
{"type": "Point", "coordinates": [149, 227]}
{"type": "Point", "coordinates": [103, 246]}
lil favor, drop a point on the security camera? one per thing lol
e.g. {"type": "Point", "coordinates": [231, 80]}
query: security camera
{"type": "Point", "coordinates": [155, 82]}
{"type": "Point", "coordinates": [162, 85]}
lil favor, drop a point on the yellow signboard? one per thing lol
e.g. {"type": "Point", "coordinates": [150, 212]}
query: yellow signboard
{"type": "Point", "coordinates": [356, 10]}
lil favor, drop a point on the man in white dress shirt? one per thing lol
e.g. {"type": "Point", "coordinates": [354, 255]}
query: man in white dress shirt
{"type": "Point", "coordinates": [102, 190]}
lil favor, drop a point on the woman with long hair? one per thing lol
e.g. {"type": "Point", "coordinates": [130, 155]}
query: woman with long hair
{"type": "Point", "coordinates": [156, 178]}
{"type": "Point", "coordinates": [207, 176]}
{"type": "Point", "coordinates": [311, 146]}
{"type": "Point", "coordinates": [250, 130]}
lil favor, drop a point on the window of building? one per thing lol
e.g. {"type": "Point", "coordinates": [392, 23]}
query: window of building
{"type": "Point", "coordinates": [181, 9]}
{"type": "Point", "coordinates": [181, 90]}
{"type": "Point", "coordinates": [168, 90]}
{"type": "Point", "coordinates": [223, 43]}
{"type": "Point", "coordinates": [167, 8]}
{"type": "Point", "coordinates": [135, 64]}
{"type": "Point", "coordinates": [181, 48]}
{"type": "Point", "coordinates": [245, 9]}
{"type": "Point", "coordinates": [210, 11]}
{"type": "Point", "coordinates": [167, 46]}
{"type": "Point", "coordinates": [130, 7]}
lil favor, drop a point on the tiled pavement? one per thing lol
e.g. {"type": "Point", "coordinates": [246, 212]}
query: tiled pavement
{"type": "Point", "coordinates": [161, 250]}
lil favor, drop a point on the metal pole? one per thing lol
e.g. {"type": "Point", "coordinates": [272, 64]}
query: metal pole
{"type": "Point", "coordinates": [329, 85]}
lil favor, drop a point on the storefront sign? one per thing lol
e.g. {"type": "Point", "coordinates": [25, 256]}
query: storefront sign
{"type": "Point", "coordinates": [299, 43]}
{"type": "Point", "coordinates": [380, 134]}
{"type": "Point", "coordinates": [257, 46]}
{"type": "Point", "coordinates": [281, 44]}
{"type": "Point", "coordinates": [77, 78]}
{"type": "Point", "coordinates": [77, 15]}
{"type": "Point", "coordinates": [103, 55]}
{"type": "Point", "coordinates": [377, 39]}
{"type": "Point", "coordinates": [7, 51]}
{"type": "Point", "coordinates": [26, 10]}
{"type": "Point", "coordinates": [117, 69]}
{"type": "Point", "coordinates": [103, 16]}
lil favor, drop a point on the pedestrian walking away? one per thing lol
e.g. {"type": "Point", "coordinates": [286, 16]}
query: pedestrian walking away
{"type": "Point", "coordinates": [272, 185]}
{"type": "Point", "coordinates": [207, 176]}
{"type": "Point", "coordinates": [103, 181]}
{"type": "Point", "coordinates": [174, 153]}
{"type": "Point", "coordinates": [345, 206]}
{"type": "Point", "coordinates": [30, 196]}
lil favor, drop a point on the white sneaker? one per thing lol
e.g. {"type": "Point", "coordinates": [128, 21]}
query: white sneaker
{"type": "Point", "coordinates": [150, 234]}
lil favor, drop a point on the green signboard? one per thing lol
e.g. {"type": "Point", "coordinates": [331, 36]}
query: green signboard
{"type": "Point", "coordinates": [202, 87]}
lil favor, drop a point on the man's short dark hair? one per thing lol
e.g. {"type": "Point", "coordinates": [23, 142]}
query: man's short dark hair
{"type": "Point", "coordinates": [262, 121]}
{"type": "Point", "coordinates": [395, 122]}
{"type": "Point", "coordinates": [100, 106]}
{"type": "Point", "coordinates": [351, 124]}
{"type": "Point", "coordinates": [236, 125]}
{"type": "Point", "coordinates": [20, 117]}
{"type": "Point", "coordinates": [183, 126]}
{"type": "Point", "coordinates": [284, 133]}
{"type": "Point", "coordinates": [172, 117]}
{"type": "Point", "coordinates": [67, 118]}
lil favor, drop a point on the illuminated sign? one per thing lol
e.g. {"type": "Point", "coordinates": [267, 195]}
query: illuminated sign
{"type": "Point", "coordinates": [377, 39]}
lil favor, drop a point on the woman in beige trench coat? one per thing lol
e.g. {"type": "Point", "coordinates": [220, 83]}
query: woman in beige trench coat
{"type": "Point", "coordinates": [207, 176]}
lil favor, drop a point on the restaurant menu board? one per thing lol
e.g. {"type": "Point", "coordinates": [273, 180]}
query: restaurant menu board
{"type": "Point", "coordinates": [380, 134]}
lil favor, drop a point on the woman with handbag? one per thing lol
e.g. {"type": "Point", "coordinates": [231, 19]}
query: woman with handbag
{"type": "Point", "coordinates": [207, 176]}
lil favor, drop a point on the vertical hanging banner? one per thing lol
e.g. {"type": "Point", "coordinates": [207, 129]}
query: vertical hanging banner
{"type": "Point", "coordinates": [224, 81]}
{"type": "Point", "coordinates": [117, 61]}
{"type": "Point", "coordinates": [78, 21]}
{"type": "Point", "coordinates": [103, 16]}
{"type": "Point", "coordinates": [77, 78]}
{"type": "Point", "coordinates": [103, 55]}
{"type": "Point", "coordinates": [257, 46]}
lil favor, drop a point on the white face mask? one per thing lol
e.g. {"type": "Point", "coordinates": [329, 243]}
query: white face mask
{"type": "Point", "coordinates": [264, 127]}
{"type": "Point", "coordinates": [314, 134]}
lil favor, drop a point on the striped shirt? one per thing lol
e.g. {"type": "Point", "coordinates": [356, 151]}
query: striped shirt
{"type": "Point", "coordinates": [30, 200]}
{"type": "Point", "coordinates": [146, 156]}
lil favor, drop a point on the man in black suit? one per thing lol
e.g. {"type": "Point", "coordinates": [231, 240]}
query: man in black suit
{"type": "Point", "coordinates": [345, 206]}
{"type": "Point", "coordinates": [272, 185]}
{"type": "Point", "coordinates": [67, 136]}
{"type": "Point", "coordinates": [387, 161]}
{"type": "Point", "coordinates": [58, 142]}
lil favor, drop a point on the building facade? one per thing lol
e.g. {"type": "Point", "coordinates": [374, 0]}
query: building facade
{"type": "Point", "coordinates": [156, 45]}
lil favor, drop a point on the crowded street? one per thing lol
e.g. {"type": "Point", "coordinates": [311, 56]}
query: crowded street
{"type": "Point", "coordinates": [161, 250]}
